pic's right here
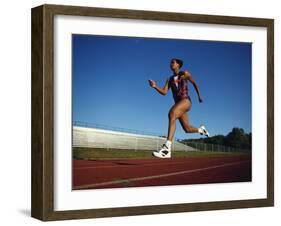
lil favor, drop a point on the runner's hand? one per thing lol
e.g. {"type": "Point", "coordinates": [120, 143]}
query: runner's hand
{"type": "Point", "coordinates": [200, 100]}
{"type": "Point", "coordinates": [152, 83]}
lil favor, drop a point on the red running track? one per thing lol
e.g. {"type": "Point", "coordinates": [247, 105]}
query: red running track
{"type": "Point", "coordinates": [88, 174]}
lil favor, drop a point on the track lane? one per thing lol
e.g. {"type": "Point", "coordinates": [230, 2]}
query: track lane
{"type": "Point", "coordinates": [123, 173]}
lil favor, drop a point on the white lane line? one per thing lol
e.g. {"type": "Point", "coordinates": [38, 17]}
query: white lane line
{"type": "Point", "coordinates": [158, 176]}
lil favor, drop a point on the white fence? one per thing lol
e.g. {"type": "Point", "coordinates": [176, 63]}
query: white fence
{"type": "Point", "coordinates": [214, 147]}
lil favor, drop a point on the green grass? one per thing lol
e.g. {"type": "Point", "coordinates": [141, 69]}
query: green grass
{"type": "Point", "coordinates": [99, 153]}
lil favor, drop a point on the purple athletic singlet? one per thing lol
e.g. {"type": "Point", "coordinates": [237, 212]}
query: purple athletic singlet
{"type": "Point", "coordinates": [179, 87]}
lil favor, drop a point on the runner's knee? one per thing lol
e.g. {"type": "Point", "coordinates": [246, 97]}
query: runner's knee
{"type": "Point", "coordinates": [172, 114]}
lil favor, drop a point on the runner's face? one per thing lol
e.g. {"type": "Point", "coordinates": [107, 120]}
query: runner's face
{"type": "Point", "coordinates": [174, 65]}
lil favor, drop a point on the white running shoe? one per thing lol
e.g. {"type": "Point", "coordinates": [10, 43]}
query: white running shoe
{"type": "Point", "coordinates": [204, 131]}
{"type": "Point", "coordinates": [163, 153]}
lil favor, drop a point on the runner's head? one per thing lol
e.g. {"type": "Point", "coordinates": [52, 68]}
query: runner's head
{"type": "Point", "coordinates": [176, 64]}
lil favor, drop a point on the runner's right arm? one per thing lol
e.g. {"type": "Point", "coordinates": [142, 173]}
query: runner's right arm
{"type": "Point", "coordinates": [160, 90]}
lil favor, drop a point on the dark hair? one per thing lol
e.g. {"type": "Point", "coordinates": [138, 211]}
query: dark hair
{"type": "Point", "coordinates": [179, 61]}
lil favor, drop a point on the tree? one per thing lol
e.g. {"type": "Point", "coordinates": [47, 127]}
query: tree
{"type": "Point", "coordinates": [236, 138]}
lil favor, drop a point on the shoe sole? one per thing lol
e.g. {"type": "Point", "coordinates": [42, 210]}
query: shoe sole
{"type": "Point", "coordinates": [161, 157]}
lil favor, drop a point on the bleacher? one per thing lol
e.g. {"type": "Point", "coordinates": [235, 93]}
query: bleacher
{"type": "Point", "coordinates": [108, 139]}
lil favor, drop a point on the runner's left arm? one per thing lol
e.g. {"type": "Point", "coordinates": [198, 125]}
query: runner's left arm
{"type": "Point", "coordinates": [188, 76]}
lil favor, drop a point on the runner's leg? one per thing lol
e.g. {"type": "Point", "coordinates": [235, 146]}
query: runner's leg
{"type": "Point", "coordinates": [185, 124]}
{"type": "Point", "coordinates": [176, 112]}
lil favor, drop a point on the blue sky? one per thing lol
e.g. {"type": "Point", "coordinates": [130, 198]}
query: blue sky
{"type": "Point", "coordinates": [110, 85]}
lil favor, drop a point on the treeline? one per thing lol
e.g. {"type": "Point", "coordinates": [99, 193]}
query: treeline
{"type": "Point", "coordinates": [236, 138]}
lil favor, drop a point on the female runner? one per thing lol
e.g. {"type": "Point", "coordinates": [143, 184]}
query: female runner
{"type": "Point", "coordinates": [178, 83]}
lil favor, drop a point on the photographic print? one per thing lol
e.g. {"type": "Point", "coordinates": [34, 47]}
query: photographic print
{"type": "Point", "coordinates": [140, 112]}
{"type": "Point", "coordinates": [159, 112]}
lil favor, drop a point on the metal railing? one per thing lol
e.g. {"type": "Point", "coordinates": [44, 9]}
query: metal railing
{"type": "Point", "coordinates": [117, 129]}
{"type": "Point", "coordinates": [214, 147]}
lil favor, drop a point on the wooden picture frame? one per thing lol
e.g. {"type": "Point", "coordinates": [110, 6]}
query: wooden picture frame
{"type": "Point", "coordinates": [42, 203]}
